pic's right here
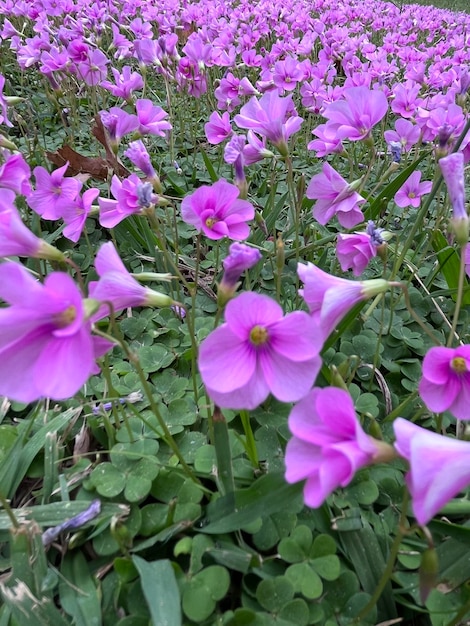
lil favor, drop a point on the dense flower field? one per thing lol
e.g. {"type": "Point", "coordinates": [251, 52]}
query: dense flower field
{"type": "Point", "coordinates": [234, 346]}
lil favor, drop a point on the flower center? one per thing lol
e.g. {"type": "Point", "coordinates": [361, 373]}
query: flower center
{"type": "Point", "coordinates": [210, 221]}
{"type": "Point", "coordinates": [412, 194]}
{"type": "Point", "coordinates": [258, 335]}
{"type": "Point", "coordinates": [459, 365]}
{"type": "Point", "coordinates": [66, 318]}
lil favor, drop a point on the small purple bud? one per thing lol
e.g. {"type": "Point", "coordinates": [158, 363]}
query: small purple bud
{"type": "Point", "coordinates": [374, 233]}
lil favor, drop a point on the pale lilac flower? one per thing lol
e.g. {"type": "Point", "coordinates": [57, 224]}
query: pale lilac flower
{"type": "Point", "coordinates": [241, 257]}
{"type": "Point", "coordinates": [334, 196]}
{"type": "Point", "coordinates": [411, 191]}
{"type": "Point", "coordinates": [445, 384]}
{"type": "Point", "coordinates": [360, 110]}
{"type": "Point", "coordinates": [3, 104]}
{"type": "Point", "coordinates": [118, 123]}
{"type": "Point", "coordinates": [405, 100]}
{"type": "Point", "coordinates": [125, 82]}
{"type": "Point", "coordinates": [329, 298]}
{"type": "Point", "coordinates": [151, 118]}
{"type": "Point", "coordinates": [15, 174]}
{"type": "Point", "coordinates": [328, 445]}
{"type": "Point", "coordinates": [452, 168]}
{"type": "Point", "coordinates": [118, 287]}
{"type": "Point", "coordinates": [354, 251]}
{"type": "Point", "coordinates": [46, 347]}
{"type": "Point", "coordinates": [327, 143]}
{"type": "Point", "coordinates": [439, 467]}
{"type": "Point", "coordinates": [131, 197]}
{"type": "Point", "coordinates": [75, 213]}
{"type": "Point", "coordinates": [268, 116]}
{"type": "Point", "coordinates": [15, 238]}
{"type": "Point", "coordinates": [217, 211]}
{"type": "Point", "coordinates": [287, 73]}
{"type": "Point", "coordinates": [52, 192]}
{"type": "Point", "coordinates": [218, 128]}
{"type": "Point", "coordinates": [138, 155]}
{"type": "Point", "coordinates": [258, 351]}
{"type": "Point", "coordinates": [405, 133]}
{"type": "Point", "coordinates": [93, 70]}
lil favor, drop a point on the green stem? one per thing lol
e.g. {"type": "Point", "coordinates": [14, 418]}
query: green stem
{"type": "Point", "coordinates": [250, 439]}
{"type": "Point", "coordinates": [9, 511]}
{"type": "Point", "coordinates": [223, 452]}
{"type": "Point", "coordinates": [458, 303]}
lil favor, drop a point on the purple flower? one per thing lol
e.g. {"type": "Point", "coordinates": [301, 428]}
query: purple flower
{"type": "Point", "coordinates": [356, 250]}
{"type": "Point", "coordinates": [258, 351]}
{"type": "Point", "coordinates": [118, 287]}
{"type": "Point", "coordinates": [76, 212]}
{"type": "Point", "coordinates": [15, 174]}
{"type": "Point", "coordinates": [15, 238]}
{"type": "Point", "coordinates": [51, 534]}
{"type": "Point", "coordinates": [217, 211]}
{"type": "Point", "coordinates": [334, 196]}
{"type": "Point", "coordinates": [132, 196]}
{"type": "Point", "coordinates": [3, 104]}
{"type": "Point", "coordinates": [151, 118]}
{"type": "Point", "coordinates": [452, 168]}
{"type": "Point", "coordinates": [328, 444]}
{"type": "Point", "coordinates": [241, 257]}
{"type": "Point", "coordinates": [125, 82]}
{"type": "Point", "coordinates": [405, 133]}
{"type": "Point", "coordinates": [138, 155]}
{"type": "Point", "coordinates": [354, 117]}
{"type": "Point", "coordinates": [329, 298]}
{"type": "Point", "coordinates": [445, 384]}
{"type": "Point", "coordinates": [52, 191]}
{"type": "Point", "coordinates": [218, 128]}
{"type": "Point", "coordinates": [439, 467]}
{"type": "Point", "coordinates": [118, 123]}
{"type": "Point", "coordinates": [411, 191]}
{"type": "Point", "coordinates": [268, 117]}
{"type": "Point", "coordinates": [93, 70]}
{"type": "Point", "coordinates": [327, 142]}
{"type": "Point", "coordinates": [46, 347]}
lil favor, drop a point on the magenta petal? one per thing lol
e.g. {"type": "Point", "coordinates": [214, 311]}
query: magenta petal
{"type": "Point", "coordinates": [247, 397]}
{"type": "Point", "coordinates": [296, 337]}
{"type": "Point", "coordinates": [250, 309]}
{"type": "Point", "coordinates": [302, 460]}
{"type": "Point", "coordinates": [225, 362]}
{"type": "Point", "coordinates": [436, 364]}
{"type": "Point", "coordinates": [288, 380]}
{"type": "Point", "coordinates": [438, 398]}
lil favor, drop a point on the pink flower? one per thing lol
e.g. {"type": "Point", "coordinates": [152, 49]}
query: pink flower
{"type": "Point", "coordinates": [405, 133]}
{"type": "Point", "coordinates": [218, 128]}
{"type": "Point", "coordinates": [268, 116]}
{"type": "Point", "coordinates": [241, 257]}
{"type": "Point", "coordinates": [439, 467]}
{"type": "Point", "coordinates": [125, 82]}
{"type": "Point", "coordinates": [452, 168]}
{"type": "Point", "coordinates": [93, 70]}
{"type": "Point", "coordinates": [258, 351]}
{"type": "Point", "coordinates": [411, 191]}
{"type": "Point", "coordinates": [328, 444]}
{"type": "Point", "coordinates": [138, 155]}
{"type": "Point", "coordinates": [217, 211]}
{"type": "Point", "coordinates": [76, 212]}
{"type": "Point", "coordinates": [327, 141]}
{"type": "Point", "coordinates": [15, 174]}
{"type": "Point", "coordinates": [329, 298]}
{"type": "Point", "coordinates": [15, 238]}
{"type": "Point", "coordinates": [118, 287]}
{"type": "Point", "coordinates": [132, 196]}
{"type": "Point", "coordinates": [445, 385]}
{"type": "Point", "coordinates": [334, 197]}
{"type": "Point", "coordinates": [354, 117]}
{"type": "Point", "coordinates": [52, 192]}
{"type": "Point", "coordinates": [356, 250]}
{"type": "Point", "coordinates": [151, 118]}
{"type": "Point", "coordinates": [46, 347]}
{"type": "Point", "coordinates": [3, 105]}
{"type": "Point", "coordinates": [118, 123]}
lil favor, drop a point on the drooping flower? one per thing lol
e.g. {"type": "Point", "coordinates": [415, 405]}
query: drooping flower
{"type": "Point", "coordinates": [118, 287]}
{"type": "Point", "coordinates": [52, 191]}
{"type": "Point", "coordinates": [328, 444]}
{"type": "Point", "coordinates": [268, 116]}
{"type": "Point", "coordinates": [334, 196]}
{"type": "Point", "coordinates": [452, 168]}
{"type": "Point", "coordinates": [217, 211]}
{"type": "Point", "coordinates": [354, 251]}
{"type": "Point", "coordinates": [445, 384]}
{"type": "Point", "coordinates": [241, 257]}
{"type": "Point", "coordinates": [15, 238]}
{"type": "Point", "coordinates": [329, 298]}
{"type": "Point", "coordinates": [357, 113]}
{"type": "Point", "coordinates": [258, 351]}
{"type": "Point", "coordinates": [412, 190]}
{"type": "Point", "coordinates": [439, 467]}
{"type": "Point", "coordinates": [138, 155]}
{"type": "Point", "coordinates": [46, 346]}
